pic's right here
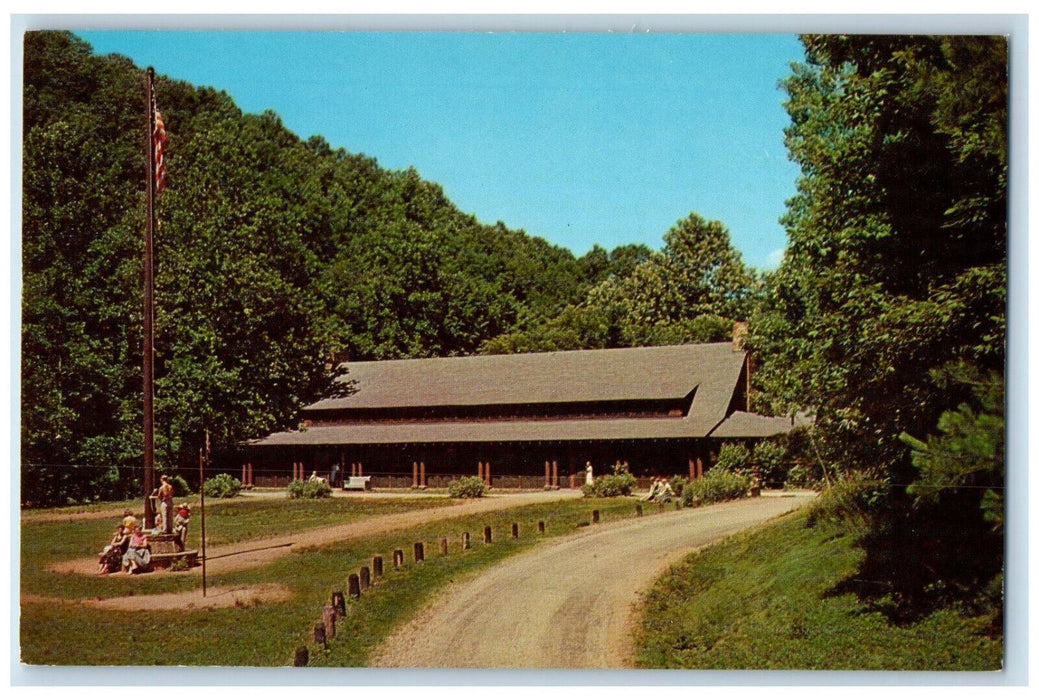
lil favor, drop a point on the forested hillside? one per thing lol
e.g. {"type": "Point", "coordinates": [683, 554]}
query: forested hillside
{"type": "Point", "coordinates": [276, 258]}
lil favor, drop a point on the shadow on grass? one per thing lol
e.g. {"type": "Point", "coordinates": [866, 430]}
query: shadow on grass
{"type": "Point", "coordinates": [920, 559]}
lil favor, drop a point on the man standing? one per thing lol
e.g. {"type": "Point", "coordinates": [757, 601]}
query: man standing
{"type": "Point", "coordinates": [166, 504]}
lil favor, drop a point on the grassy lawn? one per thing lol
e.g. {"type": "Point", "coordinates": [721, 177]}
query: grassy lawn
{"type": "Point", "coordinates": [765, 600]}
{"type": "Point", "coordinates": [265, 634]}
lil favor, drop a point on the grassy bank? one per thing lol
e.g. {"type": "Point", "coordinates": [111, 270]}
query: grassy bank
{"type": "Point", "coordinates": [266, 634]}
{"type": "Point", "coordinates": [768, 599]}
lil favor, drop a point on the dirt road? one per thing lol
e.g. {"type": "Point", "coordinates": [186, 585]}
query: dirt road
{"type": "Point", "coordinates": [245, 555]}
{"type": "Point", "coordinates": [567, 604]}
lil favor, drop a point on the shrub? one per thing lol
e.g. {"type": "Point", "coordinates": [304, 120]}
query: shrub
{"type": "Point", "coordinates": [620, 484]}
{"type": "Point", "coordinates": [678, 484]}
{"type": "Point", "coordinates": [769, 457]}
{"type": "Point", "coordinates": [309, 489]}
{"type": "Point", "coordinates": [734, 457]}
{"type": "Point", "coordinates": [466, 487]}
{"type": "Point", "coordinates": [222, 486]}
{"type": "Point", "coordinates": [180, 485]}
{"type": "Point", "coordinates": [850, 500]}
{"type": "Point", "coordinates": [717, 484]}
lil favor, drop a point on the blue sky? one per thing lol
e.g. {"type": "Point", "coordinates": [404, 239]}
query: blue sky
{"type": "Point", "coordinates": [579, 138]}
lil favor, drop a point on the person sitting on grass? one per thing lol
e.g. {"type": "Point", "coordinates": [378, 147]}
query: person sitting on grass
{"type": "Point", "coordinates": [654, 489]}
{"type": "Point", "coordinates": [666, 492]}
{"type": "Point", "coordinates": [112, 554]}
{"type": "Point", "coordinates": [137, 554]}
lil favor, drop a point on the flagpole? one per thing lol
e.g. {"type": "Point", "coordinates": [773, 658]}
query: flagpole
{"type": "Point", "coordinates": [149, 316]}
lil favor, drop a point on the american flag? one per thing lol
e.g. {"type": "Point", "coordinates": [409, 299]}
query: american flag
{"type": "Point", "coordinates": [159, 141]}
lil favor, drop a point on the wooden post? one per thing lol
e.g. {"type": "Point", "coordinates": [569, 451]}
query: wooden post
{"type": "Point", "coordinates": [301, 657]}
{"type": "Point", "coordinates": [422, 474]}
{"type": "Point", "coordinates": [360, 469]}
{"type": "Point", "coordinates": [692, 469]}
{"type": "Point", "coordinates": [202, 512]}
{"type": "Point", "coordinates": [487, 473]}
{"type": "Point", "coordinates": [245, 475]}
{"type": "Point", "coordinates": [443, 545]}
{"type": "Point", "coordinates": [354, 586]}
{"type": "Point", "coordinates": [414, 475]}
{"type": "Point", "coordinates": [377, 567]}
{"type": "Point", "coordinates": [555, 473]}
{"type": "Point", "coordinates": [479, 471]}
{"type": "Point", "coordinates": [515, 530]}
{"type": "Point", "coordinates": [548, 474]}
{"type": "Point", "coordinates": [251, 483]}
{"type": "Point", "coordinates": [339, 602]}
{"type": "Point", "coordinates": [487, 534]}
{"type": "Point", "coordinates": [365, 578]}
{"type": "Point", "coordinates": [398, 558]}
{"type": "Point", "coordinates": [595, 516]}
{"type": "Point", "coordinates": [319, 634]}
{"type": "Point", "coordinates": [541, 527]}
{"type": "Point", "coordinates": [420, 552]}
{"type": "Point", "coordinates": [573, 481]}
{"type": "Point", "coordinates": [638, 510]}
{"type": "Point", "coordinates": [328, 616]}
{"type": "Point", "coordinates": [465, 540]}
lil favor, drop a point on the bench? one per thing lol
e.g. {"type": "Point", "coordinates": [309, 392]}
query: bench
{"type": "Point", "coordinates": [357, 483]}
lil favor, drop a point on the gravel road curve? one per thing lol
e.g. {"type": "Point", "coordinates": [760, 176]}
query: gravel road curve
{"type": "Point", "coordinates": [568, 603]}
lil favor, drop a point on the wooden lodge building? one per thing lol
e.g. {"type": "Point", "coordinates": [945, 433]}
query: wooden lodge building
{"type": "Point", "coordinates": [521, 421]}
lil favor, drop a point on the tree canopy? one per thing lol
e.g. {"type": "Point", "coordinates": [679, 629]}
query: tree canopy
{"type": "Point", "coordinates": [276, 258]}
{"type": "Point", "coordinates": [894, 282]}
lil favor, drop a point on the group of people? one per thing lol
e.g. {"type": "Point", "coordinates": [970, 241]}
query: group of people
{"type": "Point", "coordinates": [660, 490]}
{"type": "Point", "coordinates": [128, 551]}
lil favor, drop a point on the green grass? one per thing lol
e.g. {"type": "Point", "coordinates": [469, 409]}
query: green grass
{"type": "Point", "coordinates": [265, 634]}
{"type": "Point", "coordinates": [764, 600]}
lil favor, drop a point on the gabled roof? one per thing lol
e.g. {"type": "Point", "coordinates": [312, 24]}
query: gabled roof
{"type": "Point", "coordinates": [577, 376]}
{"type": "Point", "coordinates": [707, 373]}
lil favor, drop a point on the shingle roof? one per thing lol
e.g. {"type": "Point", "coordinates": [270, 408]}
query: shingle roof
{"type": "Point", "coordinates": [489, 431]}
{"type": "Point", "coordinates": [668, 372]}
{"type": "Point", "coordinates": [751, 425]}
{"type": "Point", "coordinates": [708, 372]}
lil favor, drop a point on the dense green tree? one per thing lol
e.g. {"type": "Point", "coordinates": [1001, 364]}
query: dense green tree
{"type": "Point", "coordinates": [275, 258]}
{"type": "Point", "coordinates": [897, 257]}
{"type": "Point", "coordinates": [690, 292]}
{"type": "Point", "coordinates": [895, 271]}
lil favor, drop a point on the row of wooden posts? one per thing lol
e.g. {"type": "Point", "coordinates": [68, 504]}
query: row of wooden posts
{"type": "Point", "coordinates": [325, 629]}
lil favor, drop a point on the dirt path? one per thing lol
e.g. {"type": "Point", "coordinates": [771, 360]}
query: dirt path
{"type": "Point", "coordinates": [244, 555]}
{"type": "Point", "coordinates": [569, 603]}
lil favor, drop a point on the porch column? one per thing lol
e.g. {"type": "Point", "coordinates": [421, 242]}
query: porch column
{"type": "Point", "coordinates": [487, 474]}
{"type": "Point", "coordinates": [422, 474]}
{"type": "Point", "coordinates": [548, 478]}
{"type": "Point", "coordinates": [414, 475]}
{"type": "Point", "coordinates": [555, 473]}
{"type": "Point", "coordinates": [479, 470]}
